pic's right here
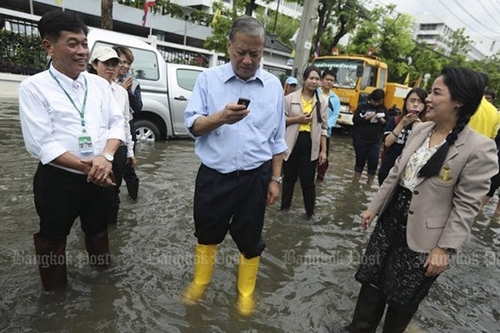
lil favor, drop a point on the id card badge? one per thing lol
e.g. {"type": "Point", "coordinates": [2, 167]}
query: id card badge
{"type": "Point", "coordinates": [85, 144]}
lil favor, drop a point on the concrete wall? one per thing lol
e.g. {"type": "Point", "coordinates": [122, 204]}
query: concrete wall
{"type": "Point", "coordinates": [9, 85]}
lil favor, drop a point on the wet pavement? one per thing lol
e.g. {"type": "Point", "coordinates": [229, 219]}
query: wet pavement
{"type": "Point", "coordinates": [306, 274]}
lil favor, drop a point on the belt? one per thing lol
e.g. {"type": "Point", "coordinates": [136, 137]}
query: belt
{"type": "Point", "coordinates": [239, 173]}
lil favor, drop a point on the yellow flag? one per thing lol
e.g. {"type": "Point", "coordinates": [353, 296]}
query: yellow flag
{"type": "Point", "coordinates": [417, 83]}
{"type": "Point", "coordinates": [293, 54]}
{"type": "Point", "coordinates": [216, 16]}
{"type": "Point", "coordinates": [407, 80]}
{"type": "Point", "coordinates": [58, 2]}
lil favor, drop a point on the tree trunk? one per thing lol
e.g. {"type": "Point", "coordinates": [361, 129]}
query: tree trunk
{"type": "Point", "coordinates": [107, 14]}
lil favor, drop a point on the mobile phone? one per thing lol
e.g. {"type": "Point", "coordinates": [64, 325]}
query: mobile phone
{"type": "Point", "coordinates": [244, 101]}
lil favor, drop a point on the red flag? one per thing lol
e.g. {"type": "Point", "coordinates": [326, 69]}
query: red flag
{"type": "Point", "coordinates": [148, 4]}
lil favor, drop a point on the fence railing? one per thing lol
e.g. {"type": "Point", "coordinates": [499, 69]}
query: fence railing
{"type": "Point", "coordinates": [21, 51]}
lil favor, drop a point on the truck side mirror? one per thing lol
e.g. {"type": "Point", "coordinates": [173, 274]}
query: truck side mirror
{"type": "Point", "coordinates": [359, 71]}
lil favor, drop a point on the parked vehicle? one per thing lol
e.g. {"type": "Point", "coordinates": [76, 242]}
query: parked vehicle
{"type": "Point", "coordinates": [357, 76]}
{"type": "Point", "coordinates": [165, 87]}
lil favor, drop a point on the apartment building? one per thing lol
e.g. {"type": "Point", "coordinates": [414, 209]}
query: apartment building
{"type": "Point", "coordinates": [434, 32]}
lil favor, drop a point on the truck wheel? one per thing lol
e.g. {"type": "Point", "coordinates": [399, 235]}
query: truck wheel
{"type": "Point", "coordinates": [146, 131]}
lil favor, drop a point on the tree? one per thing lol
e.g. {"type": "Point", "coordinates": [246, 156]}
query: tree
{"type": "Point", "coordinates": [107, 14]}
{"type": "Point", "coordinates": [336, 18]}
{"type": "Point", "coordinates": [390, 36]}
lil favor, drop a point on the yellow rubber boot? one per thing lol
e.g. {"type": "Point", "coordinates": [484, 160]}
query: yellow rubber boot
{"type": "Point", "coordinates": [204, 261]}
{"type": "Point", "coordinates": [247, 277]}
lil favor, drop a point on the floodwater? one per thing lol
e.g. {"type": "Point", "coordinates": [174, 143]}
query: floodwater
{"type": "Point", "coordinates": [305, 279]}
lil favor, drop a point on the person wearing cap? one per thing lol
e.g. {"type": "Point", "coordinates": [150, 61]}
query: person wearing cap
{"type": "Point", "coordinates": [104, 62]}
{"type": "Point", "coordinates": [290, 85]}
{"type": "Point", "coordinates": [72, 125]}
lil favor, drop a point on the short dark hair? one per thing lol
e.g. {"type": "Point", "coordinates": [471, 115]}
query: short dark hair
{"type": "Point", "coordinates": [486, 78]}
{"type": "Point", "coordinates": [54, 22]}
{"type": "Point", "coordinates": [492, 93]}
{"type": "Point", "coordinates": [329, 72]}
{"type": "Point", "coordinates": [377, 95]}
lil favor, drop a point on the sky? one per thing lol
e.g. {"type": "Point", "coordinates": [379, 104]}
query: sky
{"type": "Point", "coordinates": [480, 18]}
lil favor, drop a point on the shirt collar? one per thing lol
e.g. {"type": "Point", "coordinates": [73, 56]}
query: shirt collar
{"type": "Point", "coordinates": [63, 78]}
{"type": "Point", "coordinates": [229, 74]}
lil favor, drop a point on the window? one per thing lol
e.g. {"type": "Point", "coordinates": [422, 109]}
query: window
{"type": "Point", "coordinates": [382, 79]}
{"type": "Point", "coordinates": [369, 78]}
{"type": "Point", "coordinates": [428, 26]}
{"type": "Point", "coordinates": [186, 78]}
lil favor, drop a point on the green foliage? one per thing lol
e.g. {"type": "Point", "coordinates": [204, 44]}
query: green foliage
{"type": "Point", "coordinates": [391, 37]}
{"type": "Point", "coordinates": [21, 54]}
{"type": "Point", "coordinates": [285, 25]}
{"type": "Point", "coordinates": [220, 27]}
{"type": "Point", "coordinates": [490, 66]}
{"type": "Point", "coordinates": [165, 7]}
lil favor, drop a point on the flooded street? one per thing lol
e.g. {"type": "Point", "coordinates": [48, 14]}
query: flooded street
{"type": "Point", "coordinates": [306, 274]}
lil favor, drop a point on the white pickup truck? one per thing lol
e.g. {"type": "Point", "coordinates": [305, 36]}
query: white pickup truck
{"type": "Point", "coordinates": [165, 87]}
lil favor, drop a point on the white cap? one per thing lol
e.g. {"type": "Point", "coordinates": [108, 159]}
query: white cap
{"type": "Point", "coordinates": [104, 54]}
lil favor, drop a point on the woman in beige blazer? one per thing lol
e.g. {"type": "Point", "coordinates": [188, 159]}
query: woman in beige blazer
{"type": "Point", "coordinates": [425, 206]}
{"type": "Point", "coordinates": [305, 136]}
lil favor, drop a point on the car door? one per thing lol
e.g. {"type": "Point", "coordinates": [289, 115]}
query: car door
{"type": "Point", "coordinates": [181, 88]}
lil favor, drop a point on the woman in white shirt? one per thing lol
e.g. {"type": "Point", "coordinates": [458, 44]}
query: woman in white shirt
{"type": "Point", "coordinates": [104, 62]}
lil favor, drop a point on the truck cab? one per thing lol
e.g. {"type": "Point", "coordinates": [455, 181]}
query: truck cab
{"type": "Point", "coordinates": [166, 87]}
{"type": "Point", "coordinates": [357, 76]}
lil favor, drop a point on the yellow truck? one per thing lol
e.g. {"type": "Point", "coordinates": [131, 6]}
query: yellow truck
{"type": "Point", "coordinates": [357, 76]}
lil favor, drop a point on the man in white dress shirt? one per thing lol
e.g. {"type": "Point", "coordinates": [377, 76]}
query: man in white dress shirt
{"type": "Point", "coordinates": [71, 123]}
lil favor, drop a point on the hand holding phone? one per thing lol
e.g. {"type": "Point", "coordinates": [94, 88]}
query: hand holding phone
{"type": "Point", "coordinates": [380, 115]}
{"type": "Point", "coordinates": [244, 101]}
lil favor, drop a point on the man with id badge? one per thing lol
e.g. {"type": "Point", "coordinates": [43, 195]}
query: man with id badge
{"type": "Point", "coordinates": [70, 122]}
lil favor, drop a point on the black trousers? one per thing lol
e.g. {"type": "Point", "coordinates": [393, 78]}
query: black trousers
{"type": "Point", "coordinates": [119, 166]}
{"type": "Point", "coordinates": [234, 202]}
{"type": "Point", "coordinates": [129, 174]}
{"type": "Point", "coordinates": [62, 196]}
{"type": "Point", "coordinates": [299, 165]}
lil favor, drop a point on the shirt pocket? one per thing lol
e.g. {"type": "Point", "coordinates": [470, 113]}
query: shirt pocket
{"type": "Point", "coordinates": [263, 117]}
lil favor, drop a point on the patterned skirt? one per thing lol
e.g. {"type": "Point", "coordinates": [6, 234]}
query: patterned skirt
{"type": "Point", "coordinates": [389, 264]}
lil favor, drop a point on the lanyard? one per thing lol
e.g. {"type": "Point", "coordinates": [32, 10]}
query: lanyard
{"type": "Point", "coordinates": [82, 111]}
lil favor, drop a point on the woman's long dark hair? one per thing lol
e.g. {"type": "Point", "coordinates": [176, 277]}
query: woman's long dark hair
{"type": "Point", "coordinates": [422, 94]}
{"type": "Point", "coordinates": [318, 102]}
{"type": "Point", "coordinates": [467, 87]}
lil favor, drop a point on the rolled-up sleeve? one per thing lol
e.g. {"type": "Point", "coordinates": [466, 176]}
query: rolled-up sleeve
{"type": "Point", "coordinates": [279, 145]}
{"type": "Point", "coordinates": [197, 105]}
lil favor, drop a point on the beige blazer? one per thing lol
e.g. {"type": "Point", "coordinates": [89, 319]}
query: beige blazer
{"type": "Point", "coordinates": [443, 208]}
{"type": "Point", "coordinates": [293, 108]}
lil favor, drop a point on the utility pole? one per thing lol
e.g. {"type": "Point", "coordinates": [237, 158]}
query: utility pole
{"type": "Point", "coordinates": [304, 39]}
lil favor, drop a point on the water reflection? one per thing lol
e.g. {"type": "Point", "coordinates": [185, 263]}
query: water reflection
{"type": "Point", "coordinates": [306, 274]}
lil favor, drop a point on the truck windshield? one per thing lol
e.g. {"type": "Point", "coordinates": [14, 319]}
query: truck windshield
{"type": "Point", "coordinates": [345, 70]}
